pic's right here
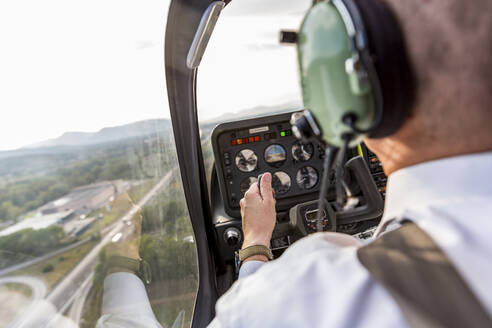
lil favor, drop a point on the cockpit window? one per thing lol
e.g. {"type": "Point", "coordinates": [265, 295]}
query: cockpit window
{"type": "Point", "coordinates": [245, 71]}
{"type": "Point", "coordinates": [94, 227]}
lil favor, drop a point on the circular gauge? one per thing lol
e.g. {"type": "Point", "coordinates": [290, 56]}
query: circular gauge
{"type": "Point", "coordinates": [246, 183]}
{"type": "Point", "coordinates": [246, 160]}
{"type": "Point", "coordinates": [275, 155]}
{"type": "Point", "coordinates": [302, 151]}
{"type": "Point", "coordinates": [307, 177]}
{"type": "Point", "coordinates": [281, 182]}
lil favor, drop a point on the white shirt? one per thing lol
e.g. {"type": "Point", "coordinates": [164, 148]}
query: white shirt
{"type": "Point", "coordinates": [319, 282]}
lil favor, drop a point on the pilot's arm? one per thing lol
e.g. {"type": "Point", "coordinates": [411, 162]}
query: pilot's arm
{"type": "Point", "coordinates": [258, 220]}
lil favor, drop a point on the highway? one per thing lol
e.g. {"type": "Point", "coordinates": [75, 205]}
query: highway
{"type": "Point", "coordinates": [72, 282]}
{"type": "Point", "coordinates": [76, 283]}
{"type": "Point", "coordinates": [75, 313]}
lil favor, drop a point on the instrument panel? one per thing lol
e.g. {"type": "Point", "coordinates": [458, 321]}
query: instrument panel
{"type": "Point", "coordinates": [245, 149]}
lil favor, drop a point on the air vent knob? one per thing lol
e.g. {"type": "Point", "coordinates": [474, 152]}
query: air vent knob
{"type": "Point", "coordinates": [232, 237]}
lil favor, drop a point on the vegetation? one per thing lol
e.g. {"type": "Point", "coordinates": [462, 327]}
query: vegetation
{"type": "Point", "coordinates": [48, 268]}
{"type": "Point", "coordinates": [30, 180]}
{"type": "Point", "coordinates": [28, 243]}
{"type": "Point", "coordinates": [138, 192]}
{"type": "Point", "coordinates": [59, 268]}
{"type": "Point", "coordinates": [171, 258]}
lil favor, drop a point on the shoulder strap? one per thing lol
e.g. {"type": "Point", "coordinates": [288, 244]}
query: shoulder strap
{"type": "Point", "coordinates": [422, 280]}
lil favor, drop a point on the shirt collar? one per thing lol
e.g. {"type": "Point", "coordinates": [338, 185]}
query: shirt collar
{"type": "Point", "coordinates": [438, 181]}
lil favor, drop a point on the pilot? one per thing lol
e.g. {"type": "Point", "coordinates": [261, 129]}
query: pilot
{"type": "Point", "coordinates": [431, 260]}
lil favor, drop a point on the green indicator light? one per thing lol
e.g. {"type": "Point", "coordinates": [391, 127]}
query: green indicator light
{"type": "Point", "coordinates": [282, 134]}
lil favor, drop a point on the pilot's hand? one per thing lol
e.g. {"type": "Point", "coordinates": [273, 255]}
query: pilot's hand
{"type": "Point", "coordinates": [258, 213]}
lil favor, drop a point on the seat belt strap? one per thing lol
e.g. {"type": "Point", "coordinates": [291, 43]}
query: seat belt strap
{"type": "Point", "coordinates": [422, 280]}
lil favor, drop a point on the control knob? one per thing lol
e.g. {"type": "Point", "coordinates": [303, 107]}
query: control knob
{"type": "Point", "coordinates": [232, 236]}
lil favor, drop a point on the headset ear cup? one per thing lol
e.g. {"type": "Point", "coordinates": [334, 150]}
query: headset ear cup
{"type": "Point", "coordinates": [391, 62]}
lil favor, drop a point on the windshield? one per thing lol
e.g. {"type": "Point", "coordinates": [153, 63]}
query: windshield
{"type": "Point", "coordinates": [93, 221]}
{"type": "Point", "coordinates": [245, 71]}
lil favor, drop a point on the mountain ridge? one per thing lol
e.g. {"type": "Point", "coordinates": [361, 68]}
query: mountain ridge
{"type": "Point", "coordinates": [70, 139]}
{"type": "Point", "coordinates": [106, 134]}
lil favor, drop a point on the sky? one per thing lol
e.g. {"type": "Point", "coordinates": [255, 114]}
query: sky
{"type": "Point", "coordinates": [68, 65]}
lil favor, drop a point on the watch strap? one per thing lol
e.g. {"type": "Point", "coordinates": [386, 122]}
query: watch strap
{"type": "Point", "coordinates": [255, 250]}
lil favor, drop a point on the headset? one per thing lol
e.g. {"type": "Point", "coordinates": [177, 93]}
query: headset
{"type": "Point", "coordinates": [355, 73]}
{"type": "Point", "coordinates": [356, 81]}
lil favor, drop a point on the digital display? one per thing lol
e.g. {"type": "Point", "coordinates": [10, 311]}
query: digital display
{"type": "Point", "coordinates": [242, 141]}
{"type": "Point", "coordinates": [286, 133]}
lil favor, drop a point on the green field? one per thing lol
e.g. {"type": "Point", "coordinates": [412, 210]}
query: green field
{"type": "Point", "coordinates": [61, 265]}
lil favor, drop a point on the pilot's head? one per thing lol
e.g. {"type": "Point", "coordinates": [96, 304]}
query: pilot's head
{"type": "Point", "coordinates": [415, 76]}
{"type": "Point", "coordinates": [450, 45]}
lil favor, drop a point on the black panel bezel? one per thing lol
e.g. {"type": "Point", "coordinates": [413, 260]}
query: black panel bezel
{"type": "Point", "coordinates": [295, 195]}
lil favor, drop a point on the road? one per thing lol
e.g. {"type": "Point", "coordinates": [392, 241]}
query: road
{"type": "Point", "coordinates": [38, 287]}
{"type": "Point", "coordinates": [75, 313]}
{"type": "Point", "coordinates": [75, 283]}
{"type": "Point", "coordinates": [72, 282]}
{"type": "Point", "coordinates": [25, 264]}
{"type": "Point", "coordinates": [38, 292]}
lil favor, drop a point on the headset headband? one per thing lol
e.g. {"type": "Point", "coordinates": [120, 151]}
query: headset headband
{"type": "Point", "coordinates": [360, 53]}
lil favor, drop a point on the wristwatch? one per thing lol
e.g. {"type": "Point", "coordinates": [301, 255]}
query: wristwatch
{"type": "Point", "coordinates": [243, 254]}
{"type": "Point", "coordinates": [139, 267]}
{"type": "Point", "coordinates": [255, 250]}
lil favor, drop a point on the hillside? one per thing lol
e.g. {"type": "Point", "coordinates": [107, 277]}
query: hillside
{"type": "Point", "coordinates": [137, 129]}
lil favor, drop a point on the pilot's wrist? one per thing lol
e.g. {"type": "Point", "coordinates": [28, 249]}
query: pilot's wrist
{"type": "Point", "coordinates": [248, 241]}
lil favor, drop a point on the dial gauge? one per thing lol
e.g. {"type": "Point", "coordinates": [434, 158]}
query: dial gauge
{"type": "Point", "coordinates": [246, 160]}
{"type": "Point", "coordinates": [281, 182]}
{"type": "Point", "coordinates": [246, 183]}
{"type": "Point", "coordinates": [307, 177]}
{"type": "Point", "coordinates": [275, 155]}
{"type": "Point", "coordinates": [302, 151]}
